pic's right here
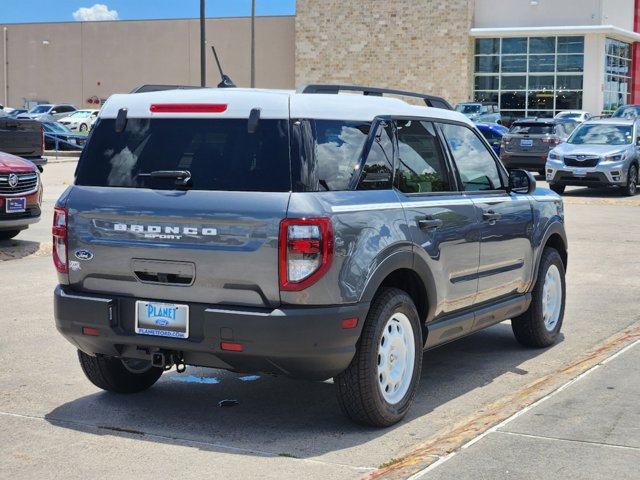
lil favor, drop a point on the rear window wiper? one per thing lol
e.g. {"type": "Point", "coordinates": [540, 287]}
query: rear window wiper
{"type": "Point", "coordinates": [182, 177]}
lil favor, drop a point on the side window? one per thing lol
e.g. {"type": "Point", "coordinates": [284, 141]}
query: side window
{"type": "Point", "coordinates": [338, 147]}
{"type": "Point", "coordinates": [377, 172]}
{"type": "Point", "coordinates": [478, 169]}
{"type": "Point", "coordinates": [421, 164]}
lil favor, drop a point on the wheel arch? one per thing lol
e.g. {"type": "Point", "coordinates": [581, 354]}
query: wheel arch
{"type": "Point", "coordinates": [555, 238]}
{"type": "Point", "coordinates": [408, 273]}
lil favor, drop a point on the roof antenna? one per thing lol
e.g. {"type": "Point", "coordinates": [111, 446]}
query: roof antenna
{"type": "Point", "coordinates": [226, 81]}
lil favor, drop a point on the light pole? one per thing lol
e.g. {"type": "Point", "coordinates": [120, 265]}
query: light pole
{"type": "Point", "coordinates": [203, 65]}
{"type": "Point", "coordinates": [253, 43]}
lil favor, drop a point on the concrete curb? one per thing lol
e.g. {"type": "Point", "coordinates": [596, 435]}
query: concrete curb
{"type": "Point", "coordinates": [443, 443]}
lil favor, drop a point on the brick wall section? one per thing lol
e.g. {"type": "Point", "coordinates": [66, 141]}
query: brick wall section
{"type": "Point", "coordinates": [417, 45]}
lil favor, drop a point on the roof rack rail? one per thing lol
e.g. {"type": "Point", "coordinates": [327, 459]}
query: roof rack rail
{"type": "Point", "coordinates": [158, 88]}
{"type": "Point", "coordinates": [429, 100]}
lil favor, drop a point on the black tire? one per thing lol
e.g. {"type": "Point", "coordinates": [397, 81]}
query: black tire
{"type": "Point", "coordinates": [112, 375]}
{"type": "Point", "coordinates": [538, 326]}
{"type": "Point", "coordinates": [631, 188]}
{"type": "Point", "coordinates": [369, 390]}
{"type": "Point", "coordinates": [559, 189]}
{"type": "Point", "coordinates": [8, 234]}
{"type": "Point", "coordinates": [83, 127]}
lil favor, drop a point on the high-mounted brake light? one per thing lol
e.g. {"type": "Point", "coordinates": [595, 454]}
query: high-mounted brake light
{"type": "Point", "coordinates": [306, 251]}
{"type": "Point", "coordinates": [59, 232]}
{"type": "Point", "coordinates": [188, 108]}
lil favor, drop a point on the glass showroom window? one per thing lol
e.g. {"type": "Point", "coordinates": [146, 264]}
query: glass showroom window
{"type": "Point", "coordinates": [529, 76]}
{"type": "Point", "coordinates": [617, 71]}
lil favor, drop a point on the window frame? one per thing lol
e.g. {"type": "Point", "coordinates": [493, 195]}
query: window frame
{"type": "Point", "coordinates": [451, 178]}
{"type": "Point", "coordinates": [502, 172]}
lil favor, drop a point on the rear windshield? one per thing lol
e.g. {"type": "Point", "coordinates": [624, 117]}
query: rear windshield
{"type": "Point", "coordinates": [466, 108]}
{"type": "Point", "coordinates": [532, 128]}
{"type": "Point", "coordinates": [220, 154]}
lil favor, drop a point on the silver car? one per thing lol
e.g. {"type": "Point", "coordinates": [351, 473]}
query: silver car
{"type": "Point", "coordinates": [50, 112]}
{"type": "Point", "coordinates": [598, 153]}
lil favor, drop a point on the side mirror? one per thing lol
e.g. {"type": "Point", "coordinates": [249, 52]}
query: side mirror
{"type": "Point", "coordinates": [638, 142]}
{"type": "Point", "coordinates": [521, 181]}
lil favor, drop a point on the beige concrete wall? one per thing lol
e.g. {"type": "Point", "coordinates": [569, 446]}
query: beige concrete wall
{"type": "Point", "coordinates": [418, 45]}
{"type": "Point", "coordinates": [619, 13]}
{"type": "Point", "coordinates": [70, 62]}
{"type": "Point", "coordinates": [551, 13]}
{"type": "Point", "coordinates": [593, 80]}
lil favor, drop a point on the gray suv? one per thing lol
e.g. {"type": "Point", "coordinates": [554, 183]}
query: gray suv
{"type": "Point", "coordinates": [598, 153]}
{"type": "Point", "coordinates": [528, 142]}
{"type": "Point", "coordinates": [313, 235]}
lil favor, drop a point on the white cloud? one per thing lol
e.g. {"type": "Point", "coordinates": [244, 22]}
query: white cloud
{"type": "Point", "coordinates": [96, 13]}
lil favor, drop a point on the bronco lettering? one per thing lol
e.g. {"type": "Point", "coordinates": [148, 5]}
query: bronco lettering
{"type": "Point", "coordinates": [166, 232]}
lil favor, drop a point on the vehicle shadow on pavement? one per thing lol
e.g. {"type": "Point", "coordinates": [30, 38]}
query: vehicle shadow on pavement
{"type": "Point", "coordinates": [268, 415]}
{"type": "Point", "coordinates": [16, 249]}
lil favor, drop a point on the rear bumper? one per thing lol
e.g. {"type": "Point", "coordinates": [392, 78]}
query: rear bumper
{"type": "Point", "coordinates": [39, 161]}
{"type": "Point", "coordinates": [527, 162]}
{"type": "Point", "coordinates": [302, 342]}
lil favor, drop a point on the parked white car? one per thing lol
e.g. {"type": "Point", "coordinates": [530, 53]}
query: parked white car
{"type": "Point", "coordinates": [576, 115]}
{"type": "Point", "coordinates": [80, 120]}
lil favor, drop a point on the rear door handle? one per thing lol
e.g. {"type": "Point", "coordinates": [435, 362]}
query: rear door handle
{"type": "Point", "coordinates": [491, 216]}
{"type": "Point", "coordinates": [429, 223]}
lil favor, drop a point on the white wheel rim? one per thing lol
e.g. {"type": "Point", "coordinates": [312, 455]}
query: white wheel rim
{"type": "Point", "coordinates": [396, 358]}
{"type": "Point", "coordinates": [551, 298]}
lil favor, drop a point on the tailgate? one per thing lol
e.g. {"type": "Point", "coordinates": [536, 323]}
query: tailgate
{"type": "Point", "coordinates": [178, 246]}
{"type": "Point", "coordinates": [21, 137]}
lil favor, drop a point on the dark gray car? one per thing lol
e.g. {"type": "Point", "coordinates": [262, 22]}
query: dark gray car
{"type": "Point", "coordinates": [529, 141]}
{"type": "Point", "coordinates": [307, 235]}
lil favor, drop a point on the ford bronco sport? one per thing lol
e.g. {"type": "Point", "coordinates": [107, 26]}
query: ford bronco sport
{"type": "Point", "coordinates": [307, 234]}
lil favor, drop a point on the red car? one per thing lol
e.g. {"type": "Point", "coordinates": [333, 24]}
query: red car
{"type": "Point", "coordinates": [20, 195]}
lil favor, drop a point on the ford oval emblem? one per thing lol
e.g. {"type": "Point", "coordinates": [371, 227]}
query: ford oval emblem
{"type": "Point", "coordinates": [83, 254]}
{"type": "Point", "coordinates": [162, 322]}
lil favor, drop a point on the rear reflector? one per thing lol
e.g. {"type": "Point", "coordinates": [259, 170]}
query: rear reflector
{"type": "Point", "coordinates": [348, 323]}
{"type": "Point", "coordinates": [94, 332]}
{"type": "Point", "coordinates": [231, 347]}
{"type": "Point", "coordinates": [188, 108]}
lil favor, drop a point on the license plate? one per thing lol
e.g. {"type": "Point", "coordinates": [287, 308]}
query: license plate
{"type": "Point", "coordinates": [526, 143]}
{"type": "Point", "coordinates": [162, 319]}
{"type": "Point", "coordinates": [579, 172]}
{"type": "Point", "coordinates": [16, 205]}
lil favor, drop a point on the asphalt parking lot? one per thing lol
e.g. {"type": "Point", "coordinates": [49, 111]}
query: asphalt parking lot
{"type": "Point", "coordinates": [55, 424]}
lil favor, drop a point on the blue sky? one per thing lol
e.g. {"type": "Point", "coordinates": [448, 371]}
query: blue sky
{"type": "Point", "coordinates": [29, 11]}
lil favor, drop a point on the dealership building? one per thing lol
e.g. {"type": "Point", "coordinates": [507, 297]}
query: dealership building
{"type": "Point", "coordinates": [532, 57]}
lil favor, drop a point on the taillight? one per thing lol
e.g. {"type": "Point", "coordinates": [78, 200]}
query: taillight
{"type": "Point", "coordinates": [59, 232]}
{"type": "Point", "coordinates": [506, 139]}
{"type": "Point", "coordinates": [306, 251]}
{"type": "Point", "coordinates": [554, 141]}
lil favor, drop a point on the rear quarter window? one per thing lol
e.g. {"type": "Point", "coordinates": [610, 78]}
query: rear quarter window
{"type": "Point", "coordinates": [338, 147]}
